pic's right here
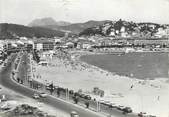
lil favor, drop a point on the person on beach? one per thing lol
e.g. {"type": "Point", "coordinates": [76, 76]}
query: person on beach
{"type": "Point", "coordinates": [158, 98]}
{"type": "Point", "coordinates": [132, 86]}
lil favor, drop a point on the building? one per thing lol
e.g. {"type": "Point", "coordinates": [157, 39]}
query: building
{"type": "Point", "coordinates": [84, 44]}
{"type": "Point", "coordinates": [30, 45]}
{"type": "Point", "coordinates": [70, 44]}
{"type": "Point", "coordinates": [44, 45]}
{"type": "Point", "coordinates": [1, 45]}
{"type": "Point", "coordinates": [152, 42]}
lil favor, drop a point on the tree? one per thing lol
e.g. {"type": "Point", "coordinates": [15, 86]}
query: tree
{"type": "Point", "coordinates": [76, 99]}
{"type": "Point", "coordinates": [87, 104]}
{"type": "Point", "coordinates": [35, 56]}
{"type": "Point", "coordinates": [51, 88]}
{"type": "Point", "coordinates": [58, 92]}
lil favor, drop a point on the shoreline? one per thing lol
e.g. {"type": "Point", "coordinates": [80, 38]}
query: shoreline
{"type": "Point", "coordinates": [79, 58]}
{"type": "Point", "coordinates": [76, 74]}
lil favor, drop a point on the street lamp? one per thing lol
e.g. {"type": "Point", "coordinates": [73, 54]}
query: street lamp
{"type": "Point", "coordinates": [98, 106]}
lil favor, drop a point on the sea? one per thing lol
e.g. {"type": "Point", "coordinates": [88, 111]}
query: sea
{"type": "Point", "coordinates": [141, 65]}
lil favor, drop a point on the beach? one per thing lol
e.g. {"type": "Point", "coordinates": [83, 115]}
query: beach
{"type": "Point", "coordinates": [142, 95]}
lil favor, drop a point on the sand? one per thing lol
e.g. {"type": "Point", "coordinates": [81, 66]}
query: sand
{"type": "Point", "coordinates": [150, 96]}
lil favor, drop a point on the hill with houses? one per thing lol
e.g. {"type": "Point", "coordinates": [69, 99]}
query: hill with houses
{"type": "Point", "coordinates": [123, 28]}
{"type": "Point", "coordinates": [106, 28]}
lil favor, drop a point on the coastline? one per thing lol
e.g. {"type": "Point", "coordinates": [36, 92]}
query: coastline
{"type": "Point", "coordinates": [77, 74]}
{"type": "Point", "coordinates": [82, 58]}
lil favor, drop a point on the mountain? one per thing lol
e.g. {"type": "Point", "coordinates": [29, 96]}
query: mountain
{"type": "Point", "coordinates": [78, 27]}
{"type": "Point", "coordinates": [47, 22]}
{"type": "Point", "coordinates": [75, 28]}
{"type": "Point", "coordinates": [62, 23]}
{"type": "Point", "coordinates": [122, 28]}
{"type": "Point", "coordinates": [8, 31]}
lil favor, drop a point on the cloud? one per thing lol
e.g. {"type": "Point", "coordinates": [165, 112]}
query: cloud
{"type": "Point", "coordinates": [23, 11]}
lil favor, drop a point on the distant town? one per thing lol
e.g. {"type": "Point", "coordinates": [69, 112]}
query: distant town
{"type": "Point", "coordinates": [46, 65]}
{"type": "Point", "coordinates": [109, 35]}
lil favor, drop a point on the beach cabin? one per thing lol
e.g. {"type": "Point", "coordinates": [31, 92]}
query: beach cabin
{"type": "Point", "coordinates": [98, 91]}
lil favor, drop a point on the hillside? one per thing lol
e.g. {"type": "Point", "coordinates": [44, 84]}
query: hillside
{"type": "Point", "coordinates": [14, 30]}
{"type": "Point", "coordinates": [78, 27]}
{"type": "Point", "coordinates": [127, 29]}
{"type": "Point", "coordinates": [75, 28]}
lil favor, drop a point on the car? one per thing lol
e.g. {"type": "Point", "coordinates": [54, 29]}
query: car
{"type": "Point", "coordinates": [74, 114]}
{"type": "Point", "coordinates": [36, 96]}
{"type": "Point", "coordinates": [43, 95]}
{"type": "Point", "coordinates": [141, 114]}
{"type": "Point", "coordinates": [82, 95]}
{"type": "Point", "coordinates": [120, 107]}
{"type": "Point", "coordinates": [87, 97]}
{"type": "Point", "coordinates": [105, 103]}
{"type": "Point", "coordinates": [112, 105]}
{"type": "Point", "coordinates": [127, 110]}
{"type": "Point", "coordinates": [48, 86]}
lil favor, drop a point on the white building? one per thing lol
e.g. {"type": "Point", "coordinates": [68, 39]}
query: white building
{"type": "Point", "coordinates": [70, 44]}
{"type": "Point", "coordinates": [112, 33]}
{"type": "Point", "coordinates": [122, 29]}
{"type": "Point", "coordinates": [160, 33]}
{"type": "Point", "coordinates": [1, 45]}
{"type": "Point", "coordinates": [39, 46]}
{"type": "Point", "coordinates": [57, 40]}
{"type": "Point", "coordinates": [86, 46]}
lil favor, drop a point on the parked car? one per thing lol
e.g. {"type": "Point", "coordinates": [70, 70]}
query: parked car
{"type": "Point", "coordinates": [43, 95]}
{"type": "Point", "coordinates": [112, 105]}
{"type": "Point", "coordinates": [48, 86]}
{"type": "Point", "coordinates": [105, 103]}
{"type": "Point", "coordinates": [82, 95]}
{"type": "Point", "coordinates": [120, 107]}
{"type": "Point", "coordinates": [141, 114]}
{"type": "Point", "coordinates": [36, 96]}
{"type": "Point", "coordinates": [74, 114]}
{"type": "Point", "coordinates": [87, 97]}
{"type": "Point", "coordinates": [127, 110]}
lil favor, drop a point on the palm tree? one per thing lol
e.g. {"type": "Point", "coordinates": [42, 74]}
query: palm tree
{"type": "Point", "coordinates": [87, 104]}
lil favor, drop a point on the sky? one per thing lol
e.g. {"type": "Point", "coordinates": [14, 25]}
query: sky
{"type": "Point", "coordinates": [24, 11]}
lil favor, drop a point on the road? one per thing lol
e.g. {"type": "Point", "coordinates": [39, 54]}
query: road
{"type": "Point", "coordinates": [6, 81]}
